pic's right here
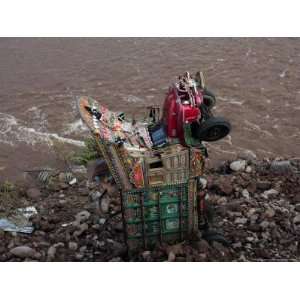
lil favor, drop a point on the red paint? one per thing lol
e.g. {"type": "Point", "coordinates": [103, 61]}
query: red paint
{"type": "Point", "coordinates": [177, 111]}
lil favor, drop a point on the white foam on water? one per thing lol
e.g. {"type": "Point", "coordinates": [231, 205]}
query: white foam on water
{"type": "Point", "coordinates": [12, 132]}
{"type": "Point", "coordinates": [256, 127]}
{"type": "Point", "coordinates": [77, 126]}
{"type": "Point", "coordinates": [231, 101]}
{"type": "Point", "coordinates": [38, 117]}
{"type": "Point", "coordinates": [133, 99]}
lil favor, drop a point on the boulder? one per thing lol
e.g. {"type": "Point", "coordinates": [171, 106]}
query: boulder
{"type": "Point", "coordinates": [24, 252]}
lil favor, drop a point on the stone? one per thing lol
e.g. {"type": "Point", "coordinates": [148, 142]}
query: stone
{"type": "Point", "coordinates": [146, 255]}
{"type": "Point", "coordinates": [51, 253]}
{"type": "Point", "coordinates": [268, 193]}
{"type": "Point", "coordinates": [225, 186]}
{"type": "Point", "coordinates": [238, 165]}
{"type": "Point", "coordinates": [297, 207]}
{"type": "Point", "coordinates": [203, 182]}
{"type": "Point", "coordinates": [97, 167]}
{"type": "Point", "coordinates": [73, 246]}
{"type": "Point", "coordinates": [245, 194]}
{"type": "Point", "coordinates": [248, 169]}
{"type": "Point", "coordinates": [82, 216]}
{"type": "Point", "coordinates": [264, 224]}
{"type": "Point", "coordinates": [241, 220]}
{"type": "Point", "coordinates": [24, 252]}
{"type": "Point", "coordinates": [263, 185]}
{"type": "Point", "coordinates": [270, 213]}
{"type": "Point", "coordinates": [116, 259]}
{"type": "Point", "coordinates": [102, 221]}
{"type": "Point", "coordinates": [281, 167]}
{"type": "Point", "coordinates": [248, 155]}
{"type": "Point", "coordinates": [251, 187]}
{"type": "Point", "coordinates": [171, 256]}
{"type": "Point", "coordinates": [203, 246]}
{"type": "Point", "coordinates": [33, 193]}
{"type": "Point", "coordinates": [296, 219]}
{"type": "Point", "coordinates": [237, 245]}
{"type": "Point", "coordinates": [95, 196]}
{"type": "Point", "coordinates": [73, 181]}
{"type": "Point", "coordinates": [81, 229]}
{"type": "Point", "coordinates": [104, 205]}
{"type": "Point", "coordinates": [296, 199]}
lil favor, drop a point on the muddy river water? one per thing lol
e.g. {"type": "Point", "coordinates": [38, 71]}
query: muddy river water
{"type": "Point", "coordinates": [256, 80]}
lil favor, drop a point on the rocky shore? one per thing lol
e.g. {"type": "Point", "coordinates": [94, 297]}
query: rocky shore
{"type": "Point", "coordinates": [255, 206]}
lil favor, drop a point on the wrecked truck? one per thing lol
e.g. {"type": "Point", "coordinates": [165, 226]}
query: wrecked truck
{"type": "Point", "coordinates": [157, 162]}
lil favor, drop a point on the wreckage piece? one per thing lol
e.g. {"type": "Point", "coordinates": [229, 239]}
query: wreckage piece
{"type": "Point", "coordinates": [134, 165]}
{"type": "Point", "coordinates": [166, 213]}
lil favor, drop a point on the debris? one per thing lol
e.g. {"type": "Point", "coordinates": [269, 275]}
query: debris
{"type": "Point", "coordinates": [19, 221]}
{"type": "Point", "coordinates": [73, 181]}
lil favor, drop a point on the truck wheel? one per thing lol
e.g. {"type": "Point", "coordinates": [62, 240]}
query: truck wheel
{"type": "Point", "coordinates": [209, 99]}
{"type": "Point", "coordinates": [212, 129]}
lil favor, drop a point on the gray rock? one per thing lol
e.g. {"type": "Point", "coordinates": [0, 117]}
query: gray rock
{"type": "Point", "coordinates": [73, 246]}
{"type": "Point", "coordinates": [268, 193]}
{"type": "Point", "coordinates": [24, 252]}
{"type": "Point", "coordinates": [238, 165]}
{"type": "Point", "coordinates": [240, 221]}
{"type": "Point", "coordinates": [146, 255]}
{"type": "Point", "coordinates": [203, 182]}
{"type": "Point", "coordinates": [296, 219]}
{"type": "Point", "coordinates": [82, 216]}
{"type": "Point", "coordinates": [263, 185]}
{"type": "Point", "coordinates": [281, 167]}
{"type": "Point", "coordinates": [33, 193]}
{"type": "Point", "coordinates": [270, 213]}
{"type": "Point", "coordinates": [248, 169]}
{"type": "Point", "coordinates": [171, 256]}
{"type": "Point", "coordinates": [264, 224]}
{"type": "Point", "coordinates": [104, 205]}
{"type": "Point", "coordinates": [203, 246]}
{"type": "Point", "coordinates": [237, 245]}
{"type": "Point", "coordinates": [51, 253]}
{"type": "Point", "coordinates": [297, 207]}
{"type": "Point", "coordinates": [248, 155]}
{"type": "Point", "coordinates": [81, 229]}
{"type": "Point", "coordinates": [245, 194]}
{"type": "Point", "coordinates": [95, 196]}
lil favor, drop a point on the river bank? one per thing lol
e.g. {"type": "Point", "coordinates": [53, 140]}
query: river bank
{"type": "Point", "coordinates": [256, 207]}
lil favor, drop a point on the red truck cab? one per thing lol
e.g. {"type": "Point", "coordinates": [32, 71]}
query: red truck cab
{"type": "Point", "coordinates": [180, 107]}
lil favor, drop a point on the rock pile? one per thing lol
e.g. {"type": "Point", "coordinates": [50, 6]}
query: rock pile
{"type": "Point", "coordinates": [256, 207]}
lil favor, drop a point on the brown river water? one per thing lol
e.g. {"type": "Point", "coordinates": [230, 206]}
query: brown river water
{"type": "Point", "coordinates": [256, 80]}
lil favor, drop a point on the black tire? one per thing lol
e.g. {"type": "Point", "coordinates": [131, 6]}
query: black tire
{"type": "Point", "coordinates": [209, 99]}
{"type": "Point", "coordinates": [212, 129]}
